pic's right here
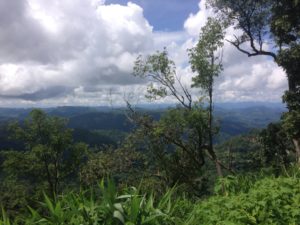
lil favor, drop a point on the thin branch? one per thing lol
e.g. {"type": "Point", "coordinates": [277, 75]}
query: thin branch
{"type": "Point", "coordinates": [186, 92]}
{"type": "Point", "coordinates": [250, 54]}
{"type": "Point", "coordinates": [149, 126]}
{"type": "Point", "coordinates": [219, 162]}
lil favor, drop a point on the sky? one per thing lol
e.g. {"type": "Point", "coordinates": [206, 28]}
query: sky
{"type": "Point", "coordinates": [82, 52]}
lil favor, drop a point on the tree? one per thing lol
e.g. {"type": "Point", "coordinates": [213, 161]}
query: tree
{"type": "Point", "coordinates": [243, 153]}
{"type": "Point", "coordinates": [178, 140]}
{"type": "Point", "coordinates": [161, 73]}
{"type": "Point", "coordinates": [276, 145]}
{"type": "Point", "coordinates": [270, 28]}
{"type": "Point", "coordinates": [177, 143]}
{"type": "Point", "coordinates": [184, 136]}
{"type": "Point", "coordinates": [123, 165]}
{"type": "Point", "coordinates": [206, 61]}
{"type": "Point", "coordinates": [50, 148]}
{"type": "Point", "coordinates": [291, 124]}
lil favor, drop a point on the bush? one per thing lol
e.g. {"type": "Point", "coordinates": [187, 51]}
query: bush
{"type": "Point", "coordinates": [268, 201]}
{"type": "Point", "coordinates": [106, 207]}
{"type": "Point", "coordinates": [253, 200]}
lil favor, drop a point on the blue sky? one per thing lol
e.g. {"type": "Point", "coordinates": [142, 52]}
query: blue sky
{"type": "Point", "coordinates": [164, 15]}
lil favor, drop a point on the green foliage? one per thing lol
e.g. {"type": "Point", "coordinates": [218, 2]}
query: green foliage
{"type": "Point", "coordinates": [242, 182]}
{"type": "Point", "coordinates": [206, 57]}
{"type": "Point", "coordinates": [105, 207]}
{"type": "Point", "coordinates": [176, 146]}
{"type": "Point", "coordinates": [268, 201]}
{"type": "Point", "coordinates": [285, 21]}
{"type": "Point", "coordinates": [270, 22]}
{"type": "Point", "coordinates": [160, 72]}
{"type": "Point", "coordinates": [4, 220]}
{"type": "Point", "coordinates": [289, 58]}
{"type": "Point", "coordinates": [122, 164]}
{"type": "Point", "coordinates": [180, 140]}
{"type": "Point", "coordinates": [242, 153]}
{"type": "Point", "coordinates": [250, 199]}
{"type": "Point", "coordinates": [50, 155]}
{"type": "Point", "coordinates": [268, 148]}
{"type": "Point", "coordinates": [15, 195]}
{"type": "Point", "coordinates": [159, 69]}
{"type": "Point", "coordinates": [291, 123]}
{"type": "Point", "coordinates": [276, 146]}
{"type": "Point", "coordinates": [171, 150]}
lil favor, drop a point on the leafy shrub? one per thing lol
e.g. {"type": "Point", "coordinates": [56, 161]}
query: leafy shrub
{"type": "Point", "coordinates": [108, 207]}
{"type": "Point", "coordinates": [249, 200]}
{"type": "Point", "coordinates": [4, 220]}
{"type": "Point", "coordinates": [268, 201]}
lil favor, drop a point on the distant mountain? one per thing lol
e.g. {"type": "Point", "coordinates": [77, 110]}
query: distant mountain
{"type": "Point", "coordinates": [235, 121]}
{"type": "Point", "coordinates": [251, 117]}
{"type": "Point", "coordinates": [241, 105]}
{"type": "Point", "coordinates": [16, 113]}
{"type": "Point", "coordinates": [106, 125]}
{"type": "Point", "coordinates": [101, 121]}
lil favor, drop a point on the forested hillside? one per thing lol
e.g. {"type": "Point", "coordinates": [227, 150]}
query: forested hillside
{"type": "Point", "coordinates": [107, 126]}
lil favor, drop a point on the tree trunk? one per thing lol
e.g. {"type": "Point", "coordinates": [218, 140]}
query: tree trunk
{"type": "Point", "coordinates": [49, 179]}
{"type": "Point", "coordinates": [297, 149]}
{"type": "Point", "coordinates": [291, 106]}
{"type": "Point", "coordinates": [230, 156]}
{"type": "Point", "coordinates": [218, 167]}
{"type": "Point", "coordinates": [211, 147]}
{"type": "Point", "coordinates": [292, 101]}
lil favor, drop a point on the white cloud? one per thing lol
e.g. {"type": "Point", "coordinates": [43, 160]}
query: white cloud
{"type": "Point", "coordinates": [195, 21]}
{"type": "Point", "coordinates": [70, 44]}
{"type": "Point", "coordinates": [243, 79]}
{"type": "Point", "coordinates": [76, 52]}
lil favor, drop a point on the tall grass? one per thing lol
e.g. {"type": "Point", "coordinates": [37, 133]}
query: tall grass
{"type": "Point", "coordinates": [107, 207]}
{"type": "Point", "coordinates": [4, 220]}
{"type": "Point", "coordinates": [250, 200]}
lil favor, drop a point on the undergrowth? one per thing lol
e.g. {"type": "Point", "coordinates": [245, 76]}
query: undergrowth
{"type": "Point", "coordinates": [248, 200]}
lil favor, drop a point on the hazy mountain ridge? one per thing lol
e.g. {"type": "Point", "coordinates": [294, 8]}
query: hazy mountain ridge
{"type": "Point", "coordinates": [106, 125]}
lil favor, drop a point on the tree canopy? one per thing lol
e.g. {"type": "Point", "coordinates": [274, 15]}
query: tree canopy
{"type": "Point", "coordinates": [270, 28]}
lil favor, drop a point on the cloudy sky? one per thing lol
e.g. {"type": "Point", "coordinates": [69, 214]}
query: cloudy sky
{"type": "Point", "coordinates": [81, 52]}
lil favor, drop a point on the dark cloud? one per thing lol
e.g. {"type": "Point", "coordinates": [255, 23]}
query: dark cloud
{"type": "Point", "coordinates": [11, 11]}
{"type": "Point", "coordinates": [47, 93]}
{"type": "Point", "coordinates": [25, 38]}
{"type": "Point", "coordinates": [22, 38]}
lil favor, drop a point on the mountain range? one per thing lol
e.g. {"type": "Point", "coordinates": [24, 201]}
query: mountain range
{"type": "Point", "coordinates": [106, 125]}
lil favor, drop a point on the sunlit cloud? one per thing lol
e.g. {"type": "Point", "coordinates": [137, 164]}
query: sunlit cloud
{"type": "Point", "coordinates": [76, 52]}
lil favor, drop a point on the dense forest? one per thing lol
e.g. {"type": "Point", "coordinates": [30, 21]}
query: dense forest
{"type": "Point", "coordinates": [193, 162]}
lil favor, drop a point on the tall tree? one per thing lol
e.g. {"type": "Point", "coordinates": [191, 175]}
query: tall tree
{"type": "Point", "coordinates": [270, 28]}
{"type": "Point", "coordinates": [276, 146]}
{"type": "Point", "coordinates": [206, 61]}
{"type": "Point", "coordinates": [50, 146]}
{"type": "Point", "coordinates": [177, 143]}
{"type": "Point", "coordinates": [176, 138]}
{"type": "Point", "coordinates": [188, 130]}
